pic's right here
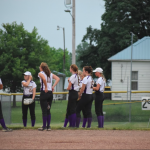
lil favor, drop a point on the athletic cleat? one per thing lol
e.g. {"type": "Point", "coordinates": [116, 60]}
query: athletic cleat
{"type": "Point", "coordinates": [49, 128]}
{"type": "Point", "coordinates": [42, 129]}
{"type": "Point", "coordinates": [6, 130]}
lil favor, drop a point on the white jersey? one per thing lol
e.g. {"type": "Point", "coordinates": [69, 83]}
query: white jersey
{"type": "Point", "coordinates": [28, 90]}
{"type": "Point", "coordinates": [102, 84]}
{"type": "Point", "coordinates": [74, 81]}
{"type": "Point", "coordinates": [1, 81]}
{"type": "Point", "coordinates": [89, 84]}
{"type": "Point", "coordinates": [48, 80]}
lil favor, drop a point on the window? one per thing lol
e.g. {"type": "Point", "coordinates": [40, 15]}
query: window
{"type": "Point", "coordinates": [134, 80]}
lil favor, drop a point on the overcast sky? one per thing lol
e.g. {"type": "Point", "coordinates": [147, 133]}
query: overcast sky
{"type": "Point", "coordinates": [45, 15]}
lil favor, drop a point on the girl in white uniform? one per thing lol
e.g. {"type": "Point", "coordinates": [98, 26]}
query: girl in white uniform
{"type": "Point", "coordinates": [2, 122]}
{"type": "Point", "coordinates": [29, 91]}
{"type": "Point", "coordinates": [80, 73]}
{"type": "Point", "coordinates": [73, 88]}
{"type": "Point", "coordinates": [86, 97]}
{"type": "Point", "coordinates": [46, 95]}
{"type": "Point", "coordinates": [99, 98]}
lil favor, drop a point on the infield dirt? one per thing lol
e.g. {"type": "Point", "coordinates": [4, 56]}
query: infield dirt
{"type": "Point", "coordinates": [75, 139]}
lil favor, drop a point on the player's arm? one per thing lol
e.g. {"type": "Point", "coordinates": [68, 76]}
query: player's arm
{"type": "Point", "coordinates": [82, 89]}
{"type": "Point", "coordinates": [57, 79]}
{"type": "Point", "coordinates": [28, 82]}
{"type": "Point", "coordinates": [69, 86]}
{"type": "Point", "coordinates": [34, 91]}
{"type": "Point", "coordinates": [1, 86]}
{"type": "Point", "coordinates": [44, 81]}
{"type": "Point", "coordinates": [97, 87]}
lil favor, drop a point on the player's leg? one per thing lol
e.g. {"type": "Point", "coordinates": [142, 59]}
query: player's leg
{"type": "Point", "coordinates": [98, 108]}
{"type": "Point", "coordinates": [50, 99]}
{"type": "Point", "coordinates": [84, 117]}
{"type": "Point", "coordinates": [43, 103]}
{"type": "Point", "coordinates": [88, 108]}
{"type": "Point", "coordinates": [24, 113]}
{"type": "Point", "coordinates": [1, 117]}
{"type": "Point", "coordinates": [79, 107]}
{"type": "Point", "coordinates": [101, 113]}
{"type": "Point", "coordinates": [72, 107]}
{"type": "Point", "coordinates": [32, 113]}
{"type": "Point", "coordinates": [2, 122]}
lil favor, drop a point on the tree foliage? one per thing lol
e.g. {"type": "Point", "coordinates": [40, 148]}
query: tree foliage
{"type": "Point", "coordinates": [120, 18]}
{"type": "Point", "coordinates": [21, 50]}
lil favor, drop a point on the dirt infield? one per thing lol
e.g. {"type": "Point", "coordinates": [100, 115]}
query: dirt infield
{"type": "Point", "coordinates": [75, 139]}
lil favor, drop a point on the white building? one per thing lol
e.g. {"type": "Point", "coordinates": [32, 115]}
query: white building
{"type": "Point", "coordinates": [120, 70]}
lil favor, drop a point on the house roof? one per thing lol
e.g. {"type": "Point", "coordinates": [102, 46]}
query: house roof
{"type": "Point", "coordinates": [59, 73]}
{"type": "Point", "coordinates": [141, 52]}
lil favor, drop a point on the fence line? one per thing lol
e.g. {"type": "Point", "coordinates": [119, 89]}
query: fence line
{"type": "Point", "coordinates": [38, 93]}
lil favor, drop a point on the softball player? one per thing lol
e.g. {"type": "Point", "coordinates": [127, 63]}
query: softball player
{"type": "Point", "coordinates": [86, 98]}
{"type": "Point", "coordinates": [46, 95]}
{"type": "Point", "coordinates": [2, 122]}
{"type": "Point", "coordinates": [29, 91]}
{"type": "Point", "coordinates": [73, 88]}
{"type": "Point", "coordinates": [99, 98]}
{"type": "Point", "coordinates": [80, 73]}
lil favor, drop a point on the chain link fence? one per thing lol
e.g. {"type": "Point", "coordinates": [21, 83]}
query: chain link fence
{"type": "Point", "coordinates": [114, 111]}
{"type": "Point", "coordinates": [6, 108]}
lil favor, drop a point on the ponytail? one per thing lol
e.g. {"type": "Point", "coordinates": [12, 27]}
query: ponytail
{"type": "Point", "coordinates": [75, 69]}
{"type": "Point", "coordinates": [46, 69]}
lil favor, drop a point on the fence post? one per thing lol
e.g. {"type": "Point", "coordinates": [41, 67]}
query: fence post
{"type": "Point", "coordinates": [10, 108]}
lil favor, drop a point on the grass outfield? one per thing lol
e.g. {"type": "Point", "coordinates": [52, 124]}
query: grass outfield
{"type": "Point", "coordinates": [116, 117]}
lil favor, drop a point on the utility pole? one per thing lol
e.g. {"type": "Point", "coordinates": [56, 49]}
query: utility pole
{"type": "Point", "coordinates": [131, 76]}
{"type": "Point", "coordinates": [73, 33]}
{"type": "Point", "coordinates": [64, 50]}
{"type": "Point", "coordinates": [58, 28]}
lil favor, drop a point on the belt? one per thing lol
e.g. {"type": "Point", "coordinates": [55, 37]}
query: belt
{"type": "Point", "coordinates": [27, 95]}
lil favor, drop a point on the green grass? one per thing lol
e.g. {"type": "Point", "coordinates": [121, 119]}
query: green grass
{"type": "Point", "coordinates": [116, 117]}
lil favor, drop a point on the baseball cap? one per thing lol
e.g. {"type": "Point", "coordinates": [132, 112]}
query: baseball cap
{"type": "Point", "coordinates": [100, 70]}
{"type": "Point", "coordinates": [27, 73]}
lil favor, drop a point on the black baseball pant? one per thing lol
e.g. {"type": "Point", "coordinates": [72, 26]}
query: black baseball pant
{"type": "Point", "coordinates": [85, 104]}
{"type": "Point", "coordinates": [25, 108]}
{"type": "Point", "coordinates": [1, 114]}
{"type": "Point", "coordinates": [99, 98]}
{"type": "Point", "coordinates": [45, 100]}
{"type": "Point", "coordinates": [72, 99]}
{"type": "Point", "coordinates": [83, 110]}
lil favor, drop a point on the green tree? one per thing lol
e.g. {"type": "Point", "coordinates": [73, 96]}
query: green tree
{"type": "Point", "coordinates": [119, 19]}
{"type": "Point", "coordinates": [58, 55]}
{"type": "Point", "coordinates": [20, 51]}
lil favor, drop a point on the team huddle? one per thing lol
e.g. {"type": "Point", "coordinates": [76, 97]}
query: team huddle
{"type": "Point", "coordinates": [80, 87]}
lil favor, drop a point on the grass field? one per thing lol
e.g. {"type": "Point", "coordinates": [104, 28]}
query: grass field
{"type": "Point", "coordinates": [116, 117]}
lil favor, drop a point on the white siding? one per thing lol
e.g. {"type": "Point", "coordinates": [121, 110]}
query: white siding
{"type": "Point", "coordinates": [143, 69]}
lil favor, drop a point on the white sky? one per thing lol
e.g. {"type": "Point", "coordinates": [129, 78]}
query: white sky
{"type": "Point", "coordinates": [45, 15]}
